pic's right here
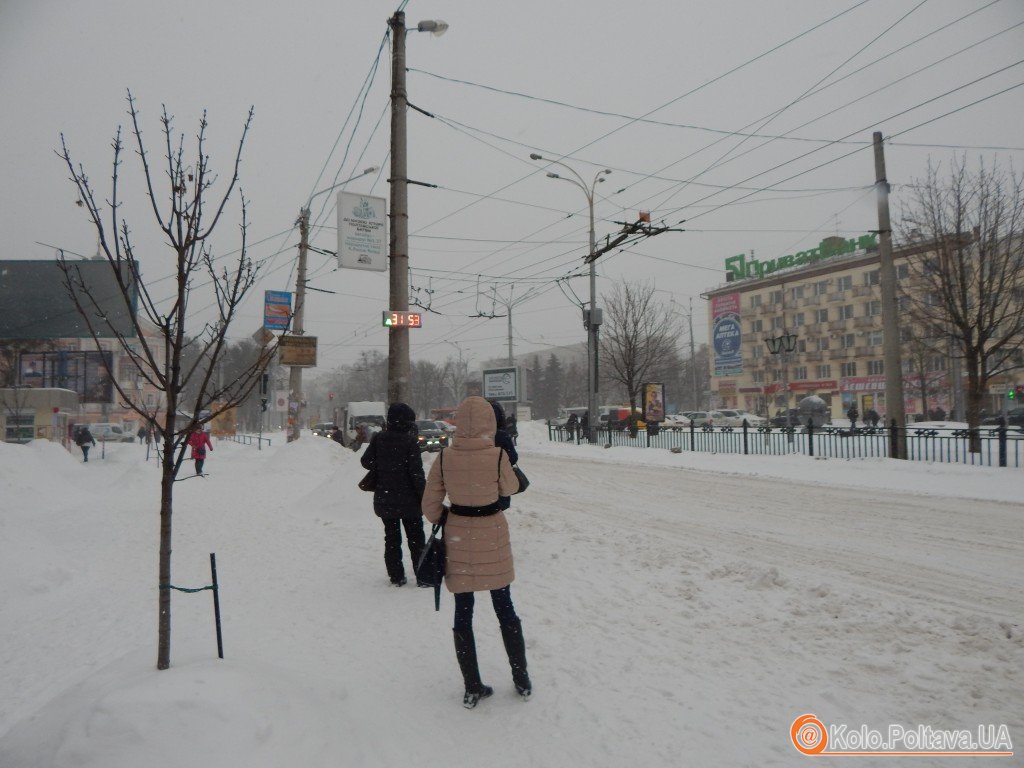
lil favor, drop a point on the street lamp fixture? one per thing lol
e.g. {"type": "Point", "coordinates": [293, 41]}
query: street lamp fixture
{"type": "Point", "coordinates": [592, 319]}
{"type": "Point", "coordinates": [436, 27]}
{"type": "Point", "coordinates": [366, 172]}
{"type": "Point", "coordinates": [784, 344]}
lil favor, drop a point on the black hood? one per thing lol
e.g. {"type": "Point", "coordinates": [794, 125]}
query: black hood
{"type": "Point", "coordinates": [499, 414]}
{"type": "Point", "coordinates": [401, 417]}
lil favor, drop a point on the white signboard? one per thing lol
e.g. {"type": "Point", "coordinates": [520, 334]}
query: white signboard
{"type": "Point", "coordinates": [500, 384]}
{"type": "Point", "coordinates": [362, 232]}
{"type": "Point", "coordinates": [281, 401]}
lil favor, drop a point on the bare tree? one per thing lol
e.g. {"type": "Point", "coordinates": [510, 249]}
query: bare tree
{"type": "Point", "coordinates": [967, 279]}
{"type": "Point", "coordinates": [639, 336]}
{"type": "Point", "coordinates": [166, 354]}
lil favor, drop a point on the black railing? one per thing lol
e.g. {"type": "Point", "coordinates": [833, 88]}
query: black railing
{"type": "Point", "coordinates": [246, 439]}
{"type": "Point", "coordinates": [997, 446]}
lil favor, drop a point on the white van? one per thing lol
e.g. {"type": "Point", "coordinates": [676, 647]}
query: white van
{"type": "Point", "coordinates": [106, 432]}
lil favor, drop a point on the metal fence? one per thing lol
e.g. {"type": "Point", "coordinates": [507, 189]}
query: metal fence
{"type": "Point", "coordinates": [246, 439]}
{"type": "Point", "coordinates": [999, 447]}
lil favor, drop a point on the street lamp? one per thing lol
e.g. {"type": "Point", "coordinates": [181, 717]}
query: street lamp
{"type": "Point", "coordinates": [784, 344]}
{"type": "Point", "coordinates": [591, 319]}
{"type": "Point", "coordinates": [295, 375]}
{"type": "Point", "coordinates": [398, 279]}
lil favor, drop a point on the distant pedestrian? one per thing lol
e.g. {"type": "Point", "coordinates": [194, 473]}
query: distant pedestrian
{"type": "Point", "coordinates": [84, 440]}
{"type": "Point", "coordinates": [199, 441]}
{"type": "Point", "coordinates": [871, 417]}
{"type": "Point", "coordinates": [337, 435]}
{"type": "Point", "coordinates": [361, 437]}
{"type": "Point", "coordinates": [571, 425]}
{"type": "Point", "coordinates": [584, 428]}
{"type": "Point", "coordinates": [853, 414]}
{"type": "Point", "coordinates": [396, 457]}
{"type": "Point", "coordinates": [512, 427]}
{"type": "Point", "coordinates": [141, 434]}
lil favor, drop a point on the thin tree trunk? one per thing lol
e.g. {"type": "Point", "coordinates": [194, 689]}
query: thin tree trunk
{"type": "Point", "coordinates": [166, 493]}
{"type": "Point", "coordinates": [974, 400]}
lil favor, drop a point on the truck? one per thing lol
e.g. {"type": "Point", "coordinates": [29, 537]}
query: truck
{"type": "Point", "coordinates": [369, 412]}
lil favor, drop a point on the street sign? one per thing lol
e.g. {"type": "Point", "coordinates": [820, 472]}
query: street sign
{"type": "Point", "coordinates": [298, 351]}
{"type": "Point", "coordinates": [263, 337]}
{"type": "Point", "coordinates": [277, 309]}
{"type": "Point", "coordinates": [362, 232]}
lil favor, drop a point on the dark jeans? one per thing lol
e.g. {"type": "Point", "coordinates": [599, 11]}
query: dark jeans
{"type": "Point", "coordinates": [85, 452]}
{"type": "Point", "coordinates": [199, 466]}
{"type": "Point", "coordinates": [393, 543]}
{"type": "Point", "coordinates": [501, 599]}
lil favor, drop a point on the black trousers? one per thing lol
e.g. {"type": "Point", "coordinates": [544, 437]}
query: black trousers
{"type": "Point", "coordinates": [501, 599]}
{"type": "Point", "coordinates": [415, 538]}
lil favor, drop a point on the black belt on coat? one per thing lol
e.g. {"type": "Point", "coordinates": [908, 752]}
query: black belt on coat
{"type": "Point", "coordinates": [489, 509]}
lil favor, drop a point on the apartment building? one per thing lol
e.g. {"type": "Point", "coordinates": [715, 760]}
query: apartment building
{"type": "Point", "coordinates": [828, 302]}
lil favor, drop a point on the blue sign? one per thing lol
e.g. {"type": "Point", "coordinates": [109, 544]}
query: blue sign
{"type": "Point", "coordinates": [277, 310]}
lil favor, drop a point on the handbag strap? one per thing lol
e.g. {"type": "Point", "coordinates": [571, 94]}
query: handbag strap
{"type": "Point", "coordinates": [439, 526]}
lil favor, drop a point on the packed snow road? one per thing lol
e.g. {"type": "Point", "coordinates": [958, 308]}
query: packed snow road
{"type": "Point", "coordinates": [678, 610]}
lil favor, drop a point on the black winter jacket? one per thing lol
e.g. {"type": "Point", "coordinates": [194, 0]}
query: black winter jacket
{"type": "Point", "coordinates": [395, 455]}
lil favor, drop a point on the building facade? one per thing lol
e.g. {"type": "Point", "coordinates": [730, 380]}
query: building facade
{"type": "Point", "coordinates": [827, 304]}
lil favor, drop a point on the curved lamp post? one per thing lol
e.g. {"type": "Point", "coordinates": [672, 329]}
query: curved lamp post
{"type": "Point", "coordinates": [784, 344]}
{"type": "Point", "coordinates": [592, 319]}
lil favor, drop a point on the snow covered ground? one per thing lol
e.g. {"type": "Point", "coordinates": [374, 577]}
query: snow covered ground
{"type": "Point", "coordinates": [679, 609]}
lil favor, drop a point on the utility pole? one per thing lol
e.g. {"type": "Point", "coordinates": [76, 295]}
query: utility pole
{"type": "Point", "coordinates": [398, 336]}
{"type": "Point", "coordinates": [295, 377]}
{"type": "Point", "coordinates": [890, 319]}
{"type": "Point", "coordinates": [693, 362]}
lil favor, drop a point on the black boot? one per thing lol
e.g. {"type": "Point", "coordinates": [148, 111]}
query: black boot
{"type": "Point", "coordinates": [465, 652]}
{"type": "Point", "coordinates": [515, 646]}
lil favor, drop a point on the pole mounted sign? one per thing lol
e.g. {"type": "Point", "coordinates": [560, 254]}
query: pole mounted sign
{"type": "Point", "coordinates": [277, 310]}
{"type": "Point", "coordinates": [297, 351]}
{"type": "Point", "coordinates": [362, 232]}
{"type": "Point", "coordinates": [402, 319]}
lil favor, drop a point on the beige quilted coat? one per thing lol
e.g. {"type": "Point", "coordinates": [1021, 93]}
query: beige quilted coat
{"type": "Point", "coordinates": [479, 550]}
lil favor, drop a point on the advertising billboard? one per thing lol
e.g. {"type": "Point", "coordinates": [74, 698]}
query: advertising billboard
{"type": "Point", "coordinates": [501, 384]}
{"type": "Point", "coordinates": [654, 402]}
{"type": "Point", "coordinates": [362, 232]}
{"type": "Point", "coordinates": [726, 334]}
{"type": "Point", "coordinates": [81, 372]}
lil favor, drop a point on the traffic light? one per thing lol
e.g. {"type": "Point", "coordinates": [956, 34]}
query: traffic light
{"type": "Point", "coordinates": [1016, 393]}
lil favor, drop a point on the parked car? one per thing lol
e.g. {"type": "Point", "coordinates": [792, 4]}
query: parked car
{"type": "Point", "coordinates": [1014, 418]}
{"type": "Point", "coordinates": [431, 437]}
{"type": "Point", "coordinates": [780, 420]}
{"type": "Point", "coordinates": [734, 417]}
{"type": "Point", "coordinates": [706, 418]}
{"type": "Point", "coordinates": [110, 433]}
{"type": "Point", "coordinates": [323, 429]}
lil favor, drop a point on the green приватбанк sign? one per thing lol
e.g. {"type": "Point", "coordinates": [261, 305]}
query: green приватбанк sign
{"type": "Point", "coordinates": [740, 267]}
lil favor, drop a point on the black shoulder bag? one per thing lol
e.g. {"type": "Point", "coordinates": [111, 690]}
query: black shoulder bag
{"type": "Point", "coordinates": [524, 481]}
{"type": "Point", "coordinates": [430, 568]}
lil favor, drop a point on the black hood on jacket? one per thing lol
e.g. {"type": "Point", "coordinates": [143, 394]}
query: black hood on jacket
{"type": "Point", "coordinates": [401, 417]}
{"type": "Point", "coordinates": [499, 414]}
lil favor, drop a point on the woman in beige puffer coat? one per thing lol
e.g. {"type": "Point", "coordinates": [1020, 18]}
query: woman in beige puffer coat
{"type": "Point", "coordinates": [473, 473]}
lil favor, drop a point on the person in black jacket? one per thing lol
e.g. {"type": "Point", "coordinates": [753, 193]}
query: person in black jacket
{"type": "Point", "coordinates": [84, 440]}
{"type": "Point", "coordinates": [395, 455]}
{"type": "Point", "coordinates": [502, 439]}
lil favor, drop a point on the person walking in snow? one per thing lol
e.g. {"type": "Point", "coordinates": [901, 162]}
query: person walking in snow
{"type": "Point", "coordinates": [512, 427]}
{"type": "Point", "coordinates": [853, 414]}
{"type": "Point", "coordinates": [199, 442]}
{"type": "Point", "coordinates": [84, 439]}
{"type": "Point", "coordinates": [474, 474]}
{"type": "Point", "coordinates": [395, 455]}
{"type": "Point", "coordinates": [571, 425]}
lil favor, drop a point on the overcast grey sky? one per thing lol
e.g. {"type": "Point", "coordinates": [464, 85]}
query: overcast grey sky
{"type": "Point", "coordinates": [496, 225]}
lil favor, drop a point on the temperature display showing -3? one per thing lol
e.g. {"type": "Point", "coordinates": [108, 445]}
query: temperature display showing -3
{"type": "Point", "coordinates": [395, 319]}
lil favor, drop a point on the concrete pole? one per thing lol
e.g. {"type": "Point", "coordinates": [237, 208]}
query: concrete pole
{"type": "Point", "coordinates": [890, 310]}
{"type": "Point", "coordinates": [295, 375]}
{"type": "Point", "coordinates": [693, 363]}
{"type": "Point", "coordinates": [398, 337]}
{"type": "Point", "coordinates": [592, 333]}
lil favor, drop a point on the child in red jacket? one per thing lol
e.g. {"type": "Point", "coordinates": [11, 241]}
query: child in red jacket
{"type": "Point", "coordinates": [199, 441]}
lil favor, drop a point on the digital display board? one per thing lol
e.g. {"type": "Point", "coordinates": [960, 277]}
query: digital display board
{"type": "Point", "coordinates": [396, 319]}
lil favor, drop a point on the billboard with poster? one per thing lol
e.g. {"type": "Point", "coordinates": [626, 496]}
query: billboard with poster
{"type": "Point", "coordinates": [654, 402]}
{"type": "Point", "coordinates": [362, 232]}
{"type": "Point", "coordinates": [726, 334]}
